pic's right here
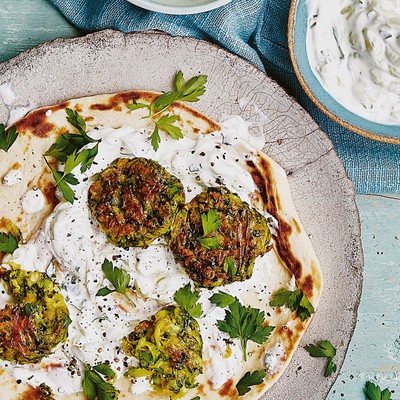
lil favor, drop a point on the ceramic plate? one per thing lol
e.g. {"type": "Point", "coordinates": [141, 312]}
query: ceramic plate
{"type": "Point", "coordinates": [179, 6]}
{"type": "Point", "coordinates": [110, 61]}
{"type": "Point", "coordinates": [298, 22]}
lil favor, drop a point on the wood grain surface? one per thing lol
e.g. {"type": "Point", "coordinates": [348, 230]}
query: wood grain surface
{"type": "Point", "coordinates": [374, 353]}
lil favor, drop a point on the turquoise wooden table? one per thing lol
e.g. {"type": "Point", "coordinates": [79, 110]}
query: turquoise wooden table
{"type": "Point", "coordinates": [374, 353]}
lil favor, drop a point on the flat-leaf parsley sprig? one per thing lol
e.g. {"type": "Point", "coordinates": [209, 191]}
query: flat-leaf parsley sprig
{"type": "Point", "coordinates": [222, 299]}
{"type": "Point", "coordinates": [210, 222]}
{"type": "Point", "coordinates": [118, 277]}
{"type": "Point", "coordinates": [9, 240]}
{"type": "Point", "coordinates": [188, 301]}
{"type": "Point", "coordinates": [374, 392]}
{"type": "Point", "coordinates": [65, 178]}
{"type": "Point", "coordinates": [183, 91]}
{"type": "Point", "coordinates": [295, 300]}
{"type": "Point", "coordinates": [245, 323]}
{"type": "Point", "coordinates": [95, 387]}
{"type": "Point", "coordinates": [250, 379]}
{"type": "Point", "coordinates": [67, 143]}
{"type": "Point", "coordinates": [8, 243]}
{"type": "Point", "coordinates": [7, 137]}
{"type": "Point", "coordinates": [324, 349]}
{"type": "Point", "coordinates": [67, 149]}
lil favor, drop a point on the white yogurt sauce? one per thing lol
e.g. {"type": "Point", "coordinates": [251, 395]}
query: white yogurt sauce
{"type": "Point", "coordinates": [12, 177]}
{"type": "Point", "coordinates": [225, 359]}
{"type": "Point", "coordinates": [141, 385]}
{"type": "Point", "coordinates": [33, 201]}
{"type": "Point", "coordinates": [16, 111]}
{"type": "Point", "coordinates": [6, 93]}
{"type": "Point", "coordinates": [73, 238]}
{"type": "Point", "coordinates": [354, 50]}
{"type": "Point", "coordinates": [274, 359]}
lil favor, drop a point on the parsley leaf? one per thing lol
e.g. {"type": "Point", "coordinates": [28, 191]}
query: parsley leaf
{"type": "Point", "coordinates": [330, 368]}
{"type": "Point", "coordinates": [73, 160]}
{"type": "Point", "coordinates": [325, 349]}
{"type": "Point", "coordinates": [230, 266]}
{"type": "Point", "coordinates": [118, 277]}
{"type": "Point", "coordinates": [179, 81]}
{"type": "Point", "coordinates": [8, 242]}
{"type": "Point", "coordinates": [65, 178]}
{"type": "Point", "coordinates": [7, 137]}
{"type": "Point", "coordinates": [136, 106]}
{"type": "Point", "coordinates": [189, 91]}
{"type": "Point", "coordinates": [305, 308]}
{"type": "Point", "coordinates": [222, 299]}
{"type": "Point", "coordinates": [211, 243]}
{"type": "Point", "coordinates": [374, 392]}
{"type": "Point", "coordinates": [210, 222]}
{"type": "Point", "coordinates": [68, 143]}
{"type": "Point", "coordinates": [88, 158]}
{"type": "Point", "coordinates": [67, 149]}
{"type": "Point", "coordinates": [94, 385]}
{"type": "Point", "coordinates": [188, 300]}
{"type": "Point", "coordinates": [250, 379]}
{"type": "Point", "coordinates": [155, 139]}
{"type": "Point", "coordinates": [245, 323]}
{"type": "Point", "coordinates": [63, 181]}
{"type": "Point", "coordinates": [76, 121]}
{"type": "Point", "coordinates": [193, 88]}
{"type": "Point", "coordinates": [162, 102]}
{"type": "Point", "coordinates": [296, 301]}
{"type": "Point", "coordinates": [166, 123]}
{"type": "Point", "coordinates": [105, 370]}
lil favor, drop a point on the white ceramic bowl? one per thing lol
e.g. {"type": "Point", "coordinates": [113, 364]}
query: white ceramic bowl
{"type": "Point", "coordinates": [179, 6]}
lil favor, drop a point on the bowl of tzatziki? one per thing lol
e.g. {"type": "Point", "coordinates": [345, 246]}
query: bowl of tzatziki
{"type": "Point", "coordinates": [179, 6]}
{"type": "Point", "coordinates": [346, 55]}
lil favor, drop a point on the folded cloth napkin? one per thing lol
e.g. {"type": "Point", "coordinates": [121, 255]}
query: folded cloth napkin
{"type": "Point", "coordinates": [255, 30]}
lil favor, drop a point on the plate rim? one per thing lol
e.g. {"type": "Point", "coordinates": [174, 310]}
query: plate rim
{"type": "Point", "coordinates": [347, 189]}
{"type": "Point", "coordinates": [292, 53]}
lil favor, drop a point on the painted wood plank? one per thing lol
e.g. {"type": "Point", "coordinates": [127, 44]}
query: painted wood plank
{"type": "Point", "coordinates": [374, 352]}
{"type": "Point", "coordinates": [27, 23]}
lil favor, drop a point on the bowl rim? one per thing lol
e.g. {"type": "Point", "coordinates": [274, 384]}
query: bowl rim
{"type": "Point", "coordinates": [179, 10]}
{"type": "Point", "coordinates": [312, 96]}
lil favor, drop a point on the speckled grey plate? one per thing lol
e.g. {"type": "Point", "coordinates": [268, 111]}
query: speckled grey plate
{"type": "Point", "coordinates": [109, 61]}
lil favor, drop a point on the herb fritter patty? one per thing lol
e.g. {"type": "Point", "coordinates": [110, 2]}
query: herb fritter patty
{"type": "Point", "coordinates": [135, 201]}
{"type": "Point", "coordinates": [169, 350]}
{"type": "Point", "coordinates": [217, 237]}
{"type": "Point", "coordinates": [37, 322]}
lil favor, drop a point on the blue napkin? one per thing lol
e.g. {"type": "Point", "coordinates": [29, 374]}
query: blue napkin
{"type": "Point", "coordinates": [256, 31]}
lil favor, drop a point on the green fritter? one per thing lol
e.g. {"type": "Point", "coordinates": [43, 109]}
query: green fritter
{"type": "Point", "coordinates": [135, 201]}
{"type": "Point", "coordinates": [38, 319]}
{"type": "Point", "coordinates": [217, 237]}
{"type": "Point", "coordinates": [169, 350]}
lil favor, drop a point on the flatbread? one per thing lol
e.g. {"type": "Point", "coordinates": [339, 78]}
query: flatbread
{"type": "Point", "coordinates": [292, 252]}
